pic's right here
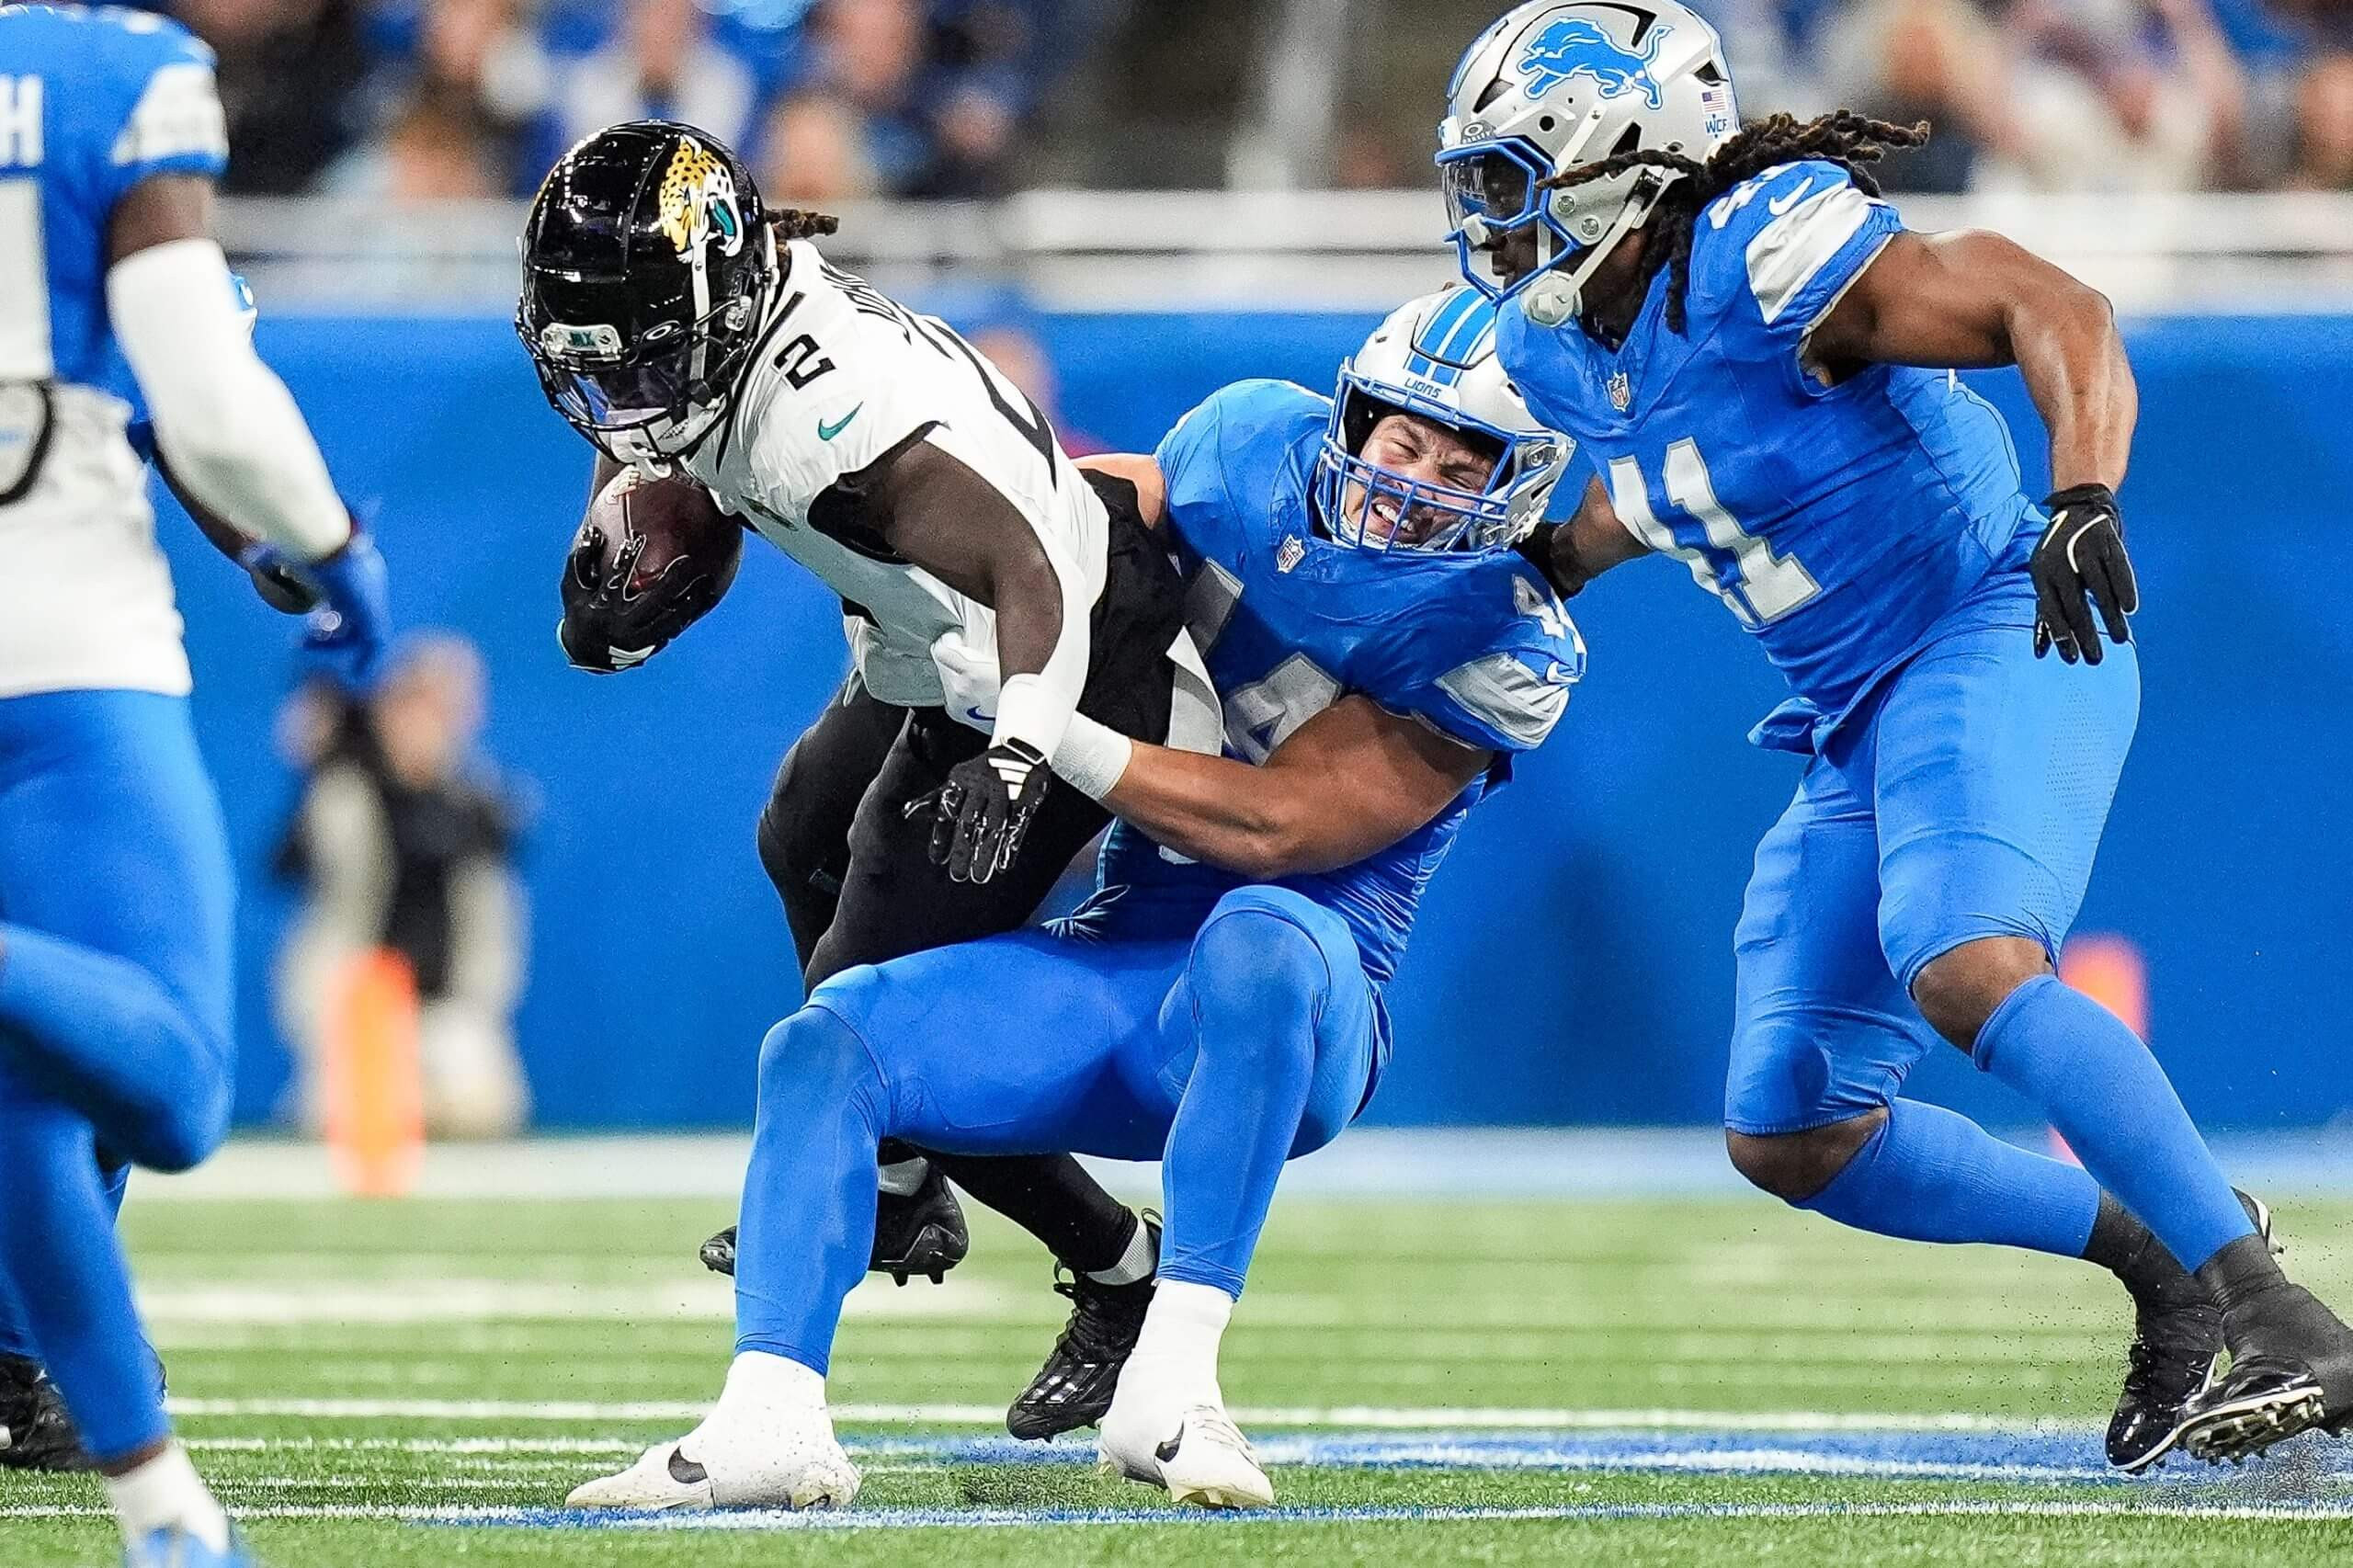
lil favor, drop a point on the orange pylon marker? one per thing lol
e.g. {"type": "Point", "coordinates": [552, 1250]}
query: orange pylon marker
{"type": "Point", "coordinates": [374, 1080]}
{"type": "Point", "coordinates": [2109, 970]}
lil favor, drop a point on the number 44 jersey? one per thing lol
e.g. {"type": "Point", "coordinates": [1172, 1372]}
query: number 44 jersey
{"type": "Point", "coordinates": [1473, 644]}
{"type": "Point", "coordinates": [1840, 522]}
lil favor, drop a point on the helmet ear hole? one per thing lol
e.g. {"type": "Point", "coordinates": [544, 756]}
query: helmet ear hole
{"type": "Point", "coordinates": [1630, 141]}
{"type": "Point", "coordinates": [1547, 123]}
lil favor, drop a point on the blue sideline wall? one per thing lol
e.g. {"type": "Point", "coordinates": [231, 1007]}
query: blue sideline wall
{"type": "Point", "coordinates": [1573, 960]}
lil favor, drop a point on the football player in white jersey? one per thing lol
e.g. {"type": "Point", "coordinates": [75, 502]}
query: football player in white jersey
{"type": "Point", "coordinates": [687, 332]}
{"type": "Point", "coordinates": [115, 888]}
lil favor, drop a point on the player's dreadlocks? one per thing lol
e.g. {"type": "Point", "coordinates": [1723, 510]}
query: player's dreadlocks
{"type": "Point", "coordinates": [1842, 137]}
{"type": "Point", "coordinates": [797, 223]}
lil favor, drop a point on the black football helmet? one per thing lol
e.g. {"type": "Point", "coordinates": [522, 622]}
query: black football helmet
{"type": "Point", "coordinates": [647, 266]}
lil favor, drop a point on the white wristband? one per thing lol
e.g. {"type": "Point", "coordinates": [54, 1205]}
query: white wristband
{"type": "Point", "coordinates": [1029, 710]}
{"type": "Point", "coordinates": [1092, 756]}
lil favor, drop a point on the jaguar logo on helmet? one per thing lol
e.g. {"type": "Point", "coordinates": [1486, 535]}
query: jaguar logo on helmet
{"type": "Point", "coordinates": [1575, 47]}
{"type": "Point", "coordinates": [698, 201]}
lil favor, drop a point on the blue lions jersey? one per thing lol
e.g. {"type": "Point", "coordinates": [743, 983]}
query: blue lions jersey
{"type": "Point", "coordinates": [91, 103]}
{"type": "Point", "coordinates": [1475, 646]}
{"type": "Point", "coordinates": [1839, 523]}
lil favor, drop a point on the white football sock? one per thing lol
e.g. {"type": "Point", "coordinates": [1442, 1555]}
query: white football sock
{"type": "Point", "coordinates": [164, 1492]}
{"type": "Point", "coordinates": [1177, 1349]}
{"type": "Point", "coordinates": [762, 1388]}
{"type": "Point", "coordinates": [1136, 1265]}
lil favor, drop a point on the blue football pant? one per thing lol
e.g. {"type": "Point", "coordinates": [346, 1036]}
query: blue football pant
{"type": "Point", "coordinates": [115, 900]}
{"type": "Point", "coordinates": [1222, 1052]}
{"type": "Point", "coordinates": [1965, 799]}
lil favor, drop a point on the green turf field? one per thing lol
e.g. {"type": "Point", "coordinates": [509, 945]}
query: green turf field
{"type": "Point", "coordinates": [1697, 1381]}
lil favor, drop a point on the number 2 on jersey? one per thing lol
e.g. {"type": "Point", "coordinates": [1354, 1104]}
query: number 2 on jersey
{"type": "Point", "coordinates": [1736, 566]}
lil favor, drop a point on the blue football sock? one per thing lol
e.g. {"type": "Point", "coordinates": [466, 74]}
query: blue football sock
{"type": "Point", "coordinates": [2075, 1061]}
{"type": "Point", "coordinates": [1931, 1176]}
{"type": "Point", "coordinates": [66, 1270]}
{"type": "Point", "coordinates": [807, 1224]}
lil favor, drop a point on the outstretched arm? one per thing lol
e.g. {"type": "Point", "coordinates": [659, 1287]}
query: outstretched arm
{"type": "Point", "coordinates": [1974, 298]}
{"type": "Point", "coordinates": [1352, 781]}
{"type": "Point", "coordinates": [1969, 300]}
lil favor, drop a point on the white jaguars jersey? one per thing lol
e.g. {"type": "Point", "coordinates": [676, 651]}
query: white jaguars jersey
{"type": "Point", "coordinates": [91, 103]}
{"type": "Point", "coordinates": [843, 378]}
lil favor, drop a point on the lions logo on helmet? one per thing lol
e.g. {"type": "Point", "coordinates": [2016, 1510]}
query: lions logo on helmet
{"type": "Point", "coordinates": [1556, 84]}
{"type": "Point", "coordinates": [1576, 46]}
{"type": "Point", "coordinates": [1435, 360]}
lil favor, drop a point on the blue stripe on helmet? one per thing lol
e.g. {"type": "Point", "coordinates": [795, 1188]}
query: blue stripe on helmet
{"type": "Point", "coordinates": [1473, 324]}
{"type": "Point", "coordinates": [1428, 340]}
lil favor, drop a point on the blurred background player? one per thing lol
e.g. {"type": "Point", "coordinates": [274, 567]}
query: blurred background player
{"type": "Point", "coordinates": [1383, 653]}
{"type": "Point", "coordinates": [404, 842]}
{"type": "Point", "coordinates": [115, 890]}
{"type": "Point", "coordinates": [1728, 319]}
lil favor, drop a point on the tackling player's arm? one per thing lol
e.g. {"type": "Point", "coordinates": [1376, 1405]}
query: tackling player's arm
{"type": "Point", "coordinates": [1972, 300]}
{"type": "Point", "coordinates": [946, 519]}
{"type": "Point", "coordinates": [227, 430]}
{"type": "Point", "coordinates": [1350, 783]}
{"type": "Point", "coordinates": [1141, 469]}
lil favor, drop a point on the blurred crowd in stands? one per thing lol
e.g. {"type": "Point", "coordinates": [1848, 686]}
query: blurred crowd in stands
{"type": "Point", "coordinates": [2125, 95]}
{"type": "Point", "coordinates": [424, 99]}
{"type": "Point", "coordinates": [834, 99]}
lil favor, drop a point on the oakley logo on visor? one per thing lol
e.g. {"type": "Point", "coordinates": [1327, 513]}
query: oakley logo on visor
{"type": "Point", "coordinates": [559, 341]}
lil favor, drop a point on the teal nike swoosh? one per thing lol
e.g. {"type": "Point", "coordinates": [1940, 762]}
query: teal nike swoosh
{"type": "Point", "coordinates": [827, 432]}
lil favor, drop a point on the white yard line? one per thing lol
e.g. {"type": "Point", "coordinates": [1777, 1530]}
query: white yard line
{"type": "Point", "coordinates": [689, 1298]}
{"type": "Point", "coordinates": [1436, 1419]}
{"type": "Point", "coordinates": [983, 1518]}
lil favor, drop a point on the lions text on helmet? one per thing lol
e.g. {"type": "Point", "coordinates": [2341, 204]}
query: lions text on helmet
{"type": "Point", "coordinates": [1430, 447]}
{"type": "Point", "coordinates": [1555, 85]}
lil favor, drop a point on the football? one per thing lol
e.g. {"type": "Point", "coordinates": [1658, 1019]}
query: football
{"type": "Point", "coordinates": [677, 518]}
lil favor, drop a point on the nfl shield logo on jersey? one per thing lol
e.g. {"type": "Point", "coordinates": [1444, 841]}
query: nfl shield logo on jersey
{"type": "Point", "coordinates": [1621, 390]}
{"type": "Point", "coordinates": [1290, 553]}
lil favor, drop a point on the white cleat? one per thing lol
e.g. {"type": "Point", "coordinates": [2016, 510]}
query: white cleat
{"type": "Point", "coordinates": [1199, 1456]}
{"type": "Point", "coordinates": [799, 1466]}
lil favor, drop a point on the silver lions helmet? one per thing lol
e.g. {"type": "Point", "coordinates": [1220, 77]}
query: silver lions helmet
{"type": "Point", "coordinates": [1435, 360]}
{"type": "Point", "coordinates": [1554, 86]}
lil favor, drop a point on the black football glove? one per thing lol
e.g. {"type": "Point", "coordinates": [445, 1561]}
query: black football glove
{"type": "Point", "coordinates": [1547, 548]}
{"type": "Point", "coordinates": [608, 625]}
{"type": "Point", "coordinates": [280, 587]}
{"type": "Point", "coordinates": [980, 816]}
{"type": "Point", "coordinates": [2081, 556]}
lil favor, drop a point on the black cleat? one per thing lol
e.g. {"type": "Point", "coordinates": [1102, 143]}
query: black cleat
{"type": "Point", "coordinates": [2176, 1353]}
{"type": "Point", "coordinates": [922, 1233]}
{"type": "Point", "coordinates": [1075, 1387]}
{"type": "Point", "coordinates": [2291, 1372]}
{"type": "Point", "coordinates": [35, 1431]}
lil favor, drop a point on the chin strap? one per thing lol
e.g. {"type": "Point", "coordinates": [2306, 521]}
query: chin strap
{"type": "Point", "coordinates": [1556, 296]}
